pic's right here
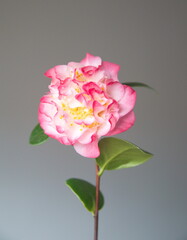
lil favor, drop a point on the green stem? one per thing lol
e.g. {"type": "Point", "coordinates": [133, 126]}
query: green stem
{"type": "Point", "coordinates": [96, 214]}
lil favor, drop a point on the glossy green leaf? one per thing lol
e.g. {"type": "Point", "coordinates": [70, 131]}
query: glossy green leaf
{"type": "Point", "coordinates": [116, 154]}
{"type": "Point", "coordinates": [37, 136]}
{"type": "Point", "coordinates": [85, 191]}
{"type": "Point", "coordinates": [138, 84]}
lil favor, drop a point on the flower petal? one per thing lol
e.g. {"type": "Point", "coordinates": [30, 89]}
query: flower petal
{"type": "Point", "coordinates": [73, 132]}
{"type": "Point", "coordinates": [91, 86]}
{"type": "Point", "coordinates": [75, 65]}
{"type": "Point", "coordinates": [111, 70]}
{"type": "Point", "coordinates": [90, 150]}
{"type": "Point", "coordinates": [123, 124]}
{"type": "Point", "coordinates": [115, 90]}
{"type": "Point", "coordinates": [86, 137]}
{"type": "Point", "coordinates": [64, 71]}
{"type": "Point", "coordinates": [103, 129]}
{"type": "Point", "coordinates": [91, 60]}
{"type": "Point", "coordinates": [88, 70]}
{"type": "Point", "coordinates": [52, 74]}
{"type": "Point", "coordinates": [47, 107]}
{"type": "Point", "coordinates": [128, 100]}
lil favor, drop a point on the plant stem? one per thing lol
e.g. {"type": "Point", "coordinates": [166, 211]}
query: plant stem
{"type": "Point", "coordinates": [96, 214]}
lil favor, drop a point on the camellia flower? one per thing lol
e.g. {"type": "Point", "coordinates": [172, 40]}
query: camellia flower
{"type": "Point", "coordinates": [86, 101]}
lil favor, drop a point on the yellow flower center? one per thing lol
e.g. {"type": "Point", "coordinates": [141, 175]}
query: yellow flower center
{"type": "Point", "coordinates": [80, 76]}
{"type": "Point", "coordinates": [77, 113]}
{"type": "Point", "coordinates": [80, 112]}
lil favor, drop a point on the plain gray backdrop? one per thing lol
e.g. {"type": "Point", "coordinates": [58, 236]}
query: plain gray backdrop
{"type": "Point", "coordinates": [148, 40]}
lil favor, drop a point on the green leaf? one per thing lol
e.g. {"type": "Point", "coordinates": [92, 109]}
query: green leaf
{"type": "Point", "coordinates": [138, 84]}
{"type": "Point", "coordinates": [37, 136]}
{"type": "Point", "coordinates": [116, 154]}
{"type": "Point", "coordinates": [85, 191]}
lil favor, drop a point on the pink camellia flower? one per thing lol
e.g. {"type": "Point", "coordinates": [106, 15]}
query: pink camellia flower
{"type": "Point", "coordinates": [86, 101]}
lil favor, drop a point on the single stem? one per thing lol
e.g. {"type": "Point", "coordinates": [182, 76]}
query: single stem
{"type": "Point", "coordinates": [96, 214]}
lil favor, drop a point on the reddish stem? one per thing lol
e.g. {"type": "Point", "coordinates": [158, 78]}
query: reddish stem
{"type": "Point", "coordinates": [96, 214]}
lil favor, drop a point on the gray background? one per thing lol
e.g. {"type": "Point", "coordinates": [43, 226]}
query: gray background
{"type": "Point", "coordinates": [148, 40]}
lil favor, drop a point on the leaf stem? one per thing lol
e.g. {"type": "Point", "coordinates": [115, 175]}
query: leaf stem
{"type": "Point", "coordinates": [96, 214]}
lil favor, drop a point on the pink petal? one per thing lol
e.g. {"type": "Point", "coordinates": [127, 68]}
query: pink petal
{"type": "Point", "coordinates": [91, 86]}
{"type": "Point", "coordinates": [123, 124]}
{"type": "Point", "coordinates": [49, 129]}
{"type": "Point", "coordinates": [111, 69]}
{"type": "Point", "coordinates": [128, 100]}
{"type": "Point", "coordinates": [97, 77]}
{"type": "Point", "coordinates": [73, 132]}
{"type": "Point", "coordinates": [113, 120]}
{"type": "Point", "coordinates": [63, 72]}
{"type": "Point", "coordinates": [90, 150]}
{"type": "Point", "coordinates": [88, 70]}
{"type": "Point", "coordinates": [98, 111]}
{"type": "Point", "coordinates": [42, 118]}
{"type": "Point", "coordinates": [52, 131]}
{"type": "Point", "coordinates": [48, 109]}
{"type": "Point", "coordinates": [52, 74]}
{"type": "Point", "coordinates": [86, 136]}
{"type": "Point", "coordinates": [91, 60]}
{"type": "Point", "coordinates": [59, 137]}
{"type": "Point", "coordinates": [64, 140]}
{"type": "Point", "coordinates": [75, 65]}
{"type": "Point", "coordinates": [113, 109]}
{"type": "Point", "coordinates": [103, 129]}
{"type": "Point", "coordinates": [81, 98]}
{"type": "Point", "coordinates": [115, 90]}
